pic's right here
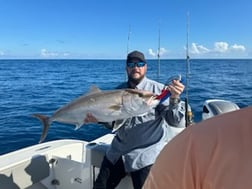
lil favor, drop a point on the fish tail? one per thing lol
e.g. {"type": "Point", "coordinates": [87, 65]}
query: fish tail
{"type": "Point", "coordinates": [46, 124]}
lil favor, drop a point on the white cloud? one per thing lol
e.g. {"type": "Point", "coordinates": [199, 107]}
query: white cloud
{"type": "Point", "coordinates": [66, 54]}
{"type": "Point", "coordinates": [221, 47]}
{"type": "Point", "coordinates": [238, 47]}
{"type": "Point", "coordinates": [162, 52]}
{"type": "Point", "coordinates": [198, 49]}
{"type": "Point", "coordinates": [53, 54]}
{"type": "Point", "coordinates": [46, 53]}
{"type": "Point", "coordinates": [151, 52]}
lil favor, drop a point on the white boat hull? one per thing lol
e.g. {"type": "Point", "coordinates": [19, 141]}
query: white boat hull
{"type": "Point", "coordinates": [60, 164]}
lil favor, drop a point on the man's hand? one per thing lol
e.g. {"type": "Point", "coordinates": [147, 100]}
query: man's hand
{"type": "Point", "coordinates": [176, 88]}
{"type": "Point", "coordinates": [90, 119]}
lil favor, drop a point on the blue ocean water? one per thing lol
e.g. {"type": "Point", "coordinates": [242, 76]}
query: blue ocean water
{"type": "Point", "coordinates": [42, 86]}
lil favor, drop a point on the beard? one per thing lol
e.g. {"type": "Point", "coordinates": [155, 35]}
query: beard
{"type": "Point", "coordinates": [135, 81]}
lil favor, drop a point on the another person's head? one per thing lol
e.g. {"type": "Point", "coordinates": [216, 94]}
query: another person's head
{"type": "Point", "coordinates": [136, 66]}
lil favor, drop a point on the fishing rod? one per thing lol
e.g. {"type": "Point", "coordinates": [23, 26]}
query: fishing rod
{"type": "Point", "coordinates": [128, 40]}
{"type": "Point", "coordinates": [188, 113]}
{"type": "Point", "coordinates": [158, 53]}
{"type": "Point", "coordinates": [129, 32]}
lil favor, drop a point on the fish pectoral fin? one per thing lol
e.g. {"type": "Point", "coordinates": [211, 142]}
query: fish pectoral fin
{"type": "Point", "coordinates": [78, 125]}
{"type": "Point", "coordinates": [115, 107]}
{"type": "Point", "coordinates": [118, 124]}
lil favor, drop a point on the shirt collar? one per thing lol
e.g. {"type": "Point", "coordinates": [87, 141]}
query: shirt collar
{"type": "Point", "coordinates": [142, 83]}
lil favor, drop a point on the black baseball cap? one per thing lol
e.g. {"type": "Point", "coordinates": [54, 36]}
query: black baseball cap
{"type": "Point", "coordinates": [136, 55]}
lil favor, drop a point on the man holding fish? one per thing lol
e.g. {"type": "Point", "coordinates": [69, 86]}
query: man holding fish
{"type": "Point", "coordinates": [139, 139]}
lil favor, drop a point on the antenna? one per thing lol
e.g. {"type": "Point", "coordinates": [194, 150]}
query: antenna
{"type": "Point", "coordinates": [188, 114]}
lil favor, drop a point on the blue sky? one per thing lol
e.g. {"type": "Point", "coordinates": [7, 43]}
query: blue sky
{"type": "Point", "coordinates": [100, 28]}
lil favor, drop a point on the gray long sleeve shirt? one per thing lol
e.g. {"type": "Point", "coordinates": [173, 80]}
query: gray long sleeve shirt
{"type": "Point", "coordinates": [141, 138]}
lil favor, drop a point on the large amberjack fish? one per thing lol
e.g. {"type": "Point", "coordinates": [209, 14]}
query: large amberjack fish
{"type": "Point", "coordinates": [105, 106]}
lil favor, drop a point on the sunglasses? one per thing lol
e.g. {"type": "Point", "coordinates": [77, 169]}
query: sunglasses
{"type": "Point", "coordinates": [133, 64]}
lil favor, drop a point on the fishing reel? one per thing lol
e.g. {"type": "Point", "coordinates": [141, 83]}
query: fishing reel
{"type": "Point", "coordinates": [166, 93]}
{"type": "Point", "coordinates": [170, 79]}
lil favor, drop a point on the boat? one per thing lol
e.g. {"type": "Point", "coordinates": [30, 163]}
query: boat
{"type": "Point", "coordinates": [61, 164]}
{"type": "Point", "coordinates": [70, 164]}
